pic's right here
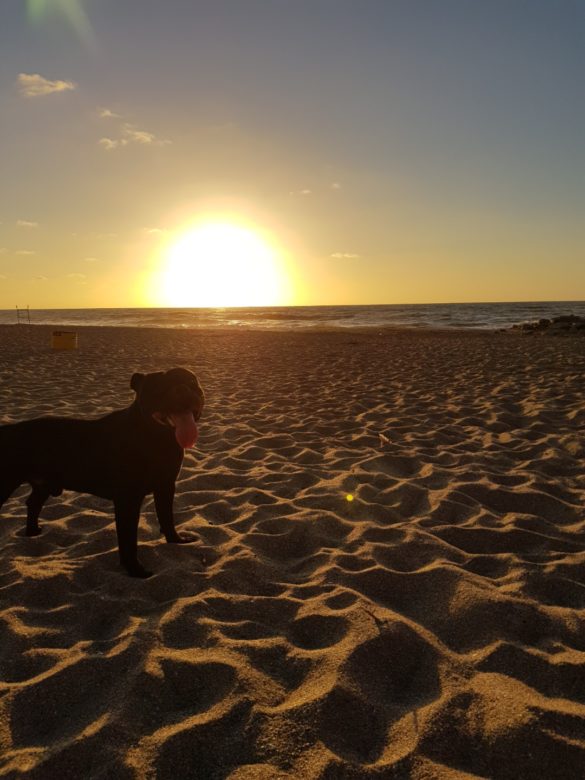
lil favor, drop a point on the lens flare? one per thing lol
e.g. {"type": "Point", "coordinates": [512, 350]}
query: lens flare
{"type": "Point", "coordinates": [71, 10]}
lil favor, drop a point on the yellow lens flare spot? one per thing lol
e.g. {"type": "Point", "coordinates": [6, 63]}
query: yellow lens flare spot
{"type": "Point", "coordinates": [349, 497]}
{"type": "Point", "coordinates": [219, 264]}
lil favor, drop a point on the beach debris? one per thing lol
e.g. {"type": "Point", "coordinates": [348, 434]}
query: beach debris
{"type": "Point", "coordinates": [381, 625]}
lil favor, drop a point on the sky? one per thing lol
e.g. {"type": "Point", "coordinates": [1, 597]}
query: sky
{"type": "Point", "coordinates": [245, 152]}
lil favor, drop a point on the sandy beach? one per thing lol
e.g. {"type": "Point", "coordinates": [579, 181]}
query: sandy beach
{"type": "Point", "coordinates": [389, 580]}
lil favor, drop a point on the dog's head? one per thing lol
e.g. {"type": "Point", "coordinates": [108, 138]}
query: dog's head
{"type": "Point", "coordinates": [173, 398]}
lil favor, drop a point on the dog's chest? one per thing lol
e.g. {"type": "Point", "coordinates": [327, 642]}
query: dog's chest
{"type": "Point", "coordinates": [149, 459]}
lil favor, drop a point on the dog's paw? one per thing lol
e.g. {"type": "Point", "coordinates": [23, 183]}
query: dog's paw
{"type": "Point", "coordinates": [138, 570]}
{"type": "Point", "coordinates": [181, 539]}
{"type": "Point", "coordinates": [32, 532]}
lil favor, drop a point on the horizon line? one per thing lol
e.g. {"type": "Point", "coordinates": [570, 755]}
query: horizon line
{"type": "Point", "coordinates": [288, 306]}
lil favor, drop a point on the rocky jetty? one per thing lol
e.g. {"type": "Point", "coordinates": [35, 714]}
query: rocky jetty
{"type": "Point", "coordinates": [565, 323]}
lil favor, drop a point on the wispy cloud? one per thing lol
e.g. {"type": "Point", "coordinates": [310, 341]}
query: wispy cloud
{"type": "Point", "coordinates": [25, 252]}
{"type": "Point", "coordinates": [25, 223]}
{"type": "Point", "coordinates": [156, 232]}
{"type": "Point", "coordinates": [334, 186]}
{"type": "Point", "coordinates": [130, 134]}
{"type": "Point", "coordinates": [90, 260]}
{"type": "Point", "coordinates": [344, 255]}
{"type": "Point", "coordinates": [110, 143]}
{"type": "Point", "coordinates": [79, 277]}
{"type": "Point", "coordinates": [40, 279]}
{"type": "Point", "coordinates": [35, 85]}
{"type": "Point", "coordinates": [106, 113]}
{"type": "Point", "coordinates": [140, 136]}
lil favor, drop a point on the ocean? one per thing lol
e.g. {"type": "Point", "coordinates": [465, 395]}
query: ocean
{"type": "Point", "coordinates": [437, 315]}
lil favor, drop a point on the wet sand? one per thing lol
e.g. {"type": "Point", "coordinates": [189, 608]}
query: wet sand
{"type": "Point", "coordinates": [432, 627]}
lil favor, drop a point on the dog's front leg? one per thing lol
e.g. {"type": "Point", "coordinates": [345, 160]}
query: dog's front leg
{"type": "Point", "coordinates": [34, 503]}
{"type": "Point", "coordinates": [163, 502]}
{"type": "Point", "coordinates": [127, 513]}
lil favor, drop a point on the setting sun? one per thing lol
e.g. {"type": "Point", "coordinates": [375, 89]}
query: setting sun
{"type": "Point", "coordinates": [222, 264]}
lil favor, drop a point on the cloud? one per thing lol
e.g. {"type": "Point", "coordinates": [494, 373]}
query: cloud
{"type": "Point", "coordinates": [130, 134]}
{"type": "Point", "coordinates": [110, 143]}
{"type": "Point", "coordinates": [3, 250]}
{"type": "Point", "coordinates": [35, 85]}
{"type": "Point", "coordinates": [156, 232]}
{"type": "Point", "coordinates": [344, 255]}
{"type": "Point", "coordinates": [335, 186]}
{"type": "Point", "coordinates": [2, 276]}
{"type": "Point", "coordinates": [138, 136]}
{"type": "Point", "coordinates": [40, 279]}
{"type": "Point", "coordinates": [106, 113]}
{"type": "Point", "coordinates": [25, 252]}
{"type": "Point", "coordinates": [80, 277]}
{"type": "Point", "coordinates": [91, 260]}
{"type": "Point", "coordinates": [25, 223]}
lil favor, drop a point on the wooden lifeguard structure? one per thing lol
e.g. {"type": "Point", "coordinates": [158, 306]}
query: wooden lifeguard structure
{"type": "Point", "coordinates": [23, 316]}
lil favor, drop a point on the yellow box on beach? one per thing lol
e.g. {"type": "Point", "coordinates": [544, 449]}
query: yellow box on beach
{"type": "Point", "coordinates": [64, 339]}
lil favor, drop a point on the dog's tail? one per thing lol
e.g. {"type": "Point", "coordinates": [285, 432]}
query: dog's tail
{"type": "Point", "coordinates": [8, 484]}
{"type": "Point", "coordinates": [9, 479]}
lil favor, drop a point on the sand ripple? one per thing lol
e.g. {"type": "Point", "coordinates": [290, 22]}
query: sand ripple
{"type": "Point", "coordinates": [431, 627]}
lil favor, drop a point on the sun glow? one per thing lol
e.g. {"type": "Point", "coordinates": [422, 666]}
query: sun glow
{"type": "Point", "coordinates": [222, 264]}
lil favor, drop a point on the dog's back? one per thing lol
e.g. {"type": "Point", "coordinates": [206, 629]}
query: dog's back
{"type": "Point", "coordinates": [63, 452]}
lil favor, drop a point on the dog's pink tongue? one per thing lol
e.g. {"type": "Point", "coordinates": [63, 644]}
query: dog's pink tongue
{"type": "Point", "coordinates": [185, 429]}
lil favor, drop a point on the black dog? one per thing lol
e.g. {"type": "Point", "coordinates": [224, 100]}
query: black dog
{"type": "Point", "coordinates": [123, 456]}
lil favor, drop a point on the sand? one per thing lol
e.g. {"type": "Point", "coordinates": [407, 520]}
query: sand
{"type": "Point", "coordinates": [432, 627]}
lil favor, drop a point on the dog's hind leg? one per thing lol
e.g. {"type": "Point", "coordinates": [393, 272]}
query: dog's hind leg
{"type": "Point", "coordinates": [34, 503]}
{"type": "Point", "coordinates": [127, 513]}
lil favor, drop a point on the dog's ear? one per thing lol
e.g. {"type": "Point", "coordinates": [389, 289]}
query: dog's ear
{"type": "Point", "coordinates": [136, 382]}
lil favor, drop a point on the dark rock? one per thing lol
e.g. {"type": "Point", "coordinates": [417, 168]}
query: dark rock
{"type": "Point", "coordinates": [563, 323]}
